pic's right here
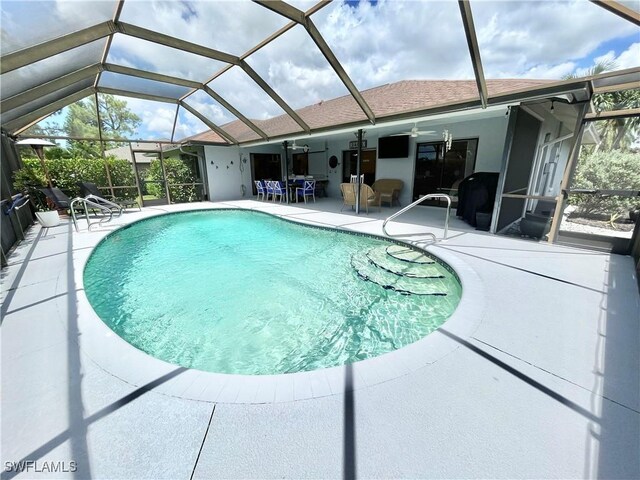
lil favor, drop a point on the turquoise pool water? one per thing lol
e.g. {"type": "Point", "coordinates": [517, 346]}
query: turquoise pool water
{"type": "Point", "coordinates": [241, 292]}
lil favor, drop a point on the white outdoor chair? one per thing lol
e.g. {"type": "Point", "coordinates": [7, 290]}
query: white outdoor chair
{"type": "Point", "coordinates": [308, 190]}
{"type": "Point", "coordinates": [260, 189]}
{"type": "Point", "coordinates": [279, 189]}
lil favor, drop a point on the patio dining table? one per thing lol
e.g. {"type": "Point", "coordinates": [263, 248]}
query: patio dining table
{"type": "Point", "coordinates": [292, 185]}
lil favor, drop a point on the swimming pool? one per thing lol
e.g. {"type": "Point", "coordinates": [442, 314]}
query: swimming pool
{"type": "Point", "coordinates": [242, 292]}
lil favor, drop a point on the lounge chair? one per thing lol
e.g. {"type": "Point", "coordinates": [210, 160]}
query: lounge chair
{"type": "Point", "coordinates": [367, 196]}
{"type": "Point", "coordinates": [88, 188]}
{"type": "Point", "coordinates": [56, 198]}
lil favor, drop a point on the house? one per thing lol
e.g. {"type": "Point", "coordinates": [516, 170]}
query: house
{"type": "Point", "coordinates": [507, 138]}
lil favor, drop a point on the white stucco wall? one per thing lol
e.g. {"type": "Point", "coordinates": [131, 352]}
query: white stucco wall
{"type": "Point", "coordinates": [224, 178]}
{"type": "Point", "coordinates": [490, 132]}
{"type": "Point", "coordinates": [225, 183]}
{"type": "Point", "coordinates": [232, 181]}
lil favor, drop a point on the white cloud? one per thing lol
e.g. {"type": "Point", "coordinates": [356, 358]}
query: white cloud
{"type": "Point", "coordinates": [160, 121]}
{"type": "Point", "coordinates": [547, 72]}
{"type": "Point", "coordinates": [229, 26]}
{"type": "Point", "coordinates": [26, 23]}
{"type": "Point", "coordinates": [188, 125]}
{"type": "Point", "coordinates": [518, 38]}
{"type": "Point", "coordinates": [157, 118]}
{"type": "Point", "coordinates": [211, 109]}
{"type": "Point", "coordinates": [629, 58]}
{"type": "Point", "coordinates": [387, 42]}
{"type": "Point", "coordinates": [396, 40]}
{"type": "Point", "coordinates": [239, 90]}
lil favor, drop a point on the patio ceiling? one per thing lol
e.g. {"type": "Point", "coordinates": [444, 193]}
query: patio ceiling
{"type": "Point", "coordinates": [57, 65]}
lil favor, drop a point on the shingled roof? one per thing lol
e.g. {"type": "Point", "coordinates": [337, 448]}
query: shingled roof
{"type": "Point", "coordinates": [385, 101]}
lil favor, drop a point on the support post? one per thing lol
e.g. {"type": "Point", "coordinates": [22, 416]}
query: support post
{"type": "Point", "coordinates": [358, 162]}
{"type": "Point", "coordinates": [286, 168]}
{"type": "Point", "coordinates": [506, 153]}
{"type": "Point", "coordinates": [135, 174]}
{"type": "Point", "coordinates": [40, 154]}
{"type": "Point", "coordinates": [102, 149]}
{"type": "Point", "coordinates": [569, 170]}
{"type": "Point", "coordinates": [164, 177]}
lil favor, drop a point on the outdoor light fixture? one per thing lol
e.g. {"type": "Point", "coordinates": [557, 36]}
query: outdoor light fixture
{"type": "Point", "coordinates": [38, 146]}
{"type": "Point", "coordinates": [551, 106]}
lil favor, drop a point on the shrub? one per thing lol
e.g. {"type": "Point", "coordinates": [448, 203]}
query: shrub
{"type": "Point", "coordinates": [612, 169]}
{"type": "Point", "coordinates": [178, 172]}
{"type": "Point", "coordinates": [65, 173]}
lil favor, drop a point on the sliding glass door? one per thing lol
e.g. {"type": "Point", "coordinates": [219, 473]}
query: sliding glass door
{"type": "Point", "coordinates": [440, 171]}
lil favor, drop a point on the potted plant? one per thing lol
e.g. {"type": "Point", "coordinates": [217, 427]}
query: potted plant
{"type": "Point", "coordinates": [48, 218]}
{"type": "Point", "coordinates": [46, 213]}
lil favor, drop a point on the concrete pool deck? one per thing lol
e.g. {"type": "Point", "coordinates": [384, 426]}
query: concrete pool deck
{"type": "Point", "coordinates": [536, 375]}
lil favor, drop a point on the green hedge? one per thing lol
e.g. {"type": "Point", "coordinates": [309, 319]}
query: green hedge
{"type": "Point", "coordinates": [178, 172]}
{"type": "Point", "coordinates": [612, 169]}
{"type": "Point", "coordinates": [67, 172]}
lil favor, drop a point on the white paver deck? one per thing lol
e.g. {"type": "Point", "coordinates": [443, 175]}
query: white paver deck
{"type": "Point", "coordinates": [534, 376]}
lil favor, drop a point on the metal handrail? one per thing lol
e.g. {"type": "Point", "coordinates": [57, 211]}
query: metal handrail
{"type": "Point", "coordinates": [105, 202]}
{"type": "Point", "coordinates": [85, 202]}
{"type": "Point", "coordinates": [420, 200]}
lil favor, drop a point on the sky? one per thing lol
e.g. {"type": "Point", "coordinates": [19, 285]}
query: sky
{"type": "Point", "coordinates": [377, 42]}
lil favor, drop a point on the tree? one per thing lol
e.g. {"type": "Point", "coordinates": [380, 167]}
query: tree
{"type": "Point", "coordinates": [606, 169]}
{"type": "Point", "coordinates": [619, 133]}
{"type": "Point", "coordinates": [82, 121]}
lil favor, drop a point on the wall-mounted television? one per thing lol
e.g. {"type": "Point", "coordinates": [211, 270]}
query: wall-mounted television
{"type": "Point", "coordinates": [396, 146]}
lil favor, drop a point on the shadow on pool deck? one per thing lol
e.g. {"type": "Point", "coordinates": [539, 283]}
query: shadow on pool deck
{"type": "Point", "coordinates": [16, 282]}
{"type": "Point", "coordinates": [617, 385]}
{"type": "Point", "coordinates": [613, 428]}
{"type": "Point", "coordinates": [349, 445]}
{"type": "Point", "coordinates": [76, 433]}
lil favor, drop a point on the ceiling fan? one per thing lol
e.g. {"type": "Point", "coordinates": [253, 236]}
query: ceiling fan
{"type": "Point", "coordinates": [293, 146]}
{"type": "Point", "coordinates": [414, 132]}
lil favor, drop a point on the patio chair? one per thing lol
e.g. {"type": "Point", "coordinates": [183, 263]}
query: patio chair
{"type": "Point", "coordinates": [367, 196]}
{"type": "Point", "coordinates": [269, 189]}
{"type": "Point", "coordinates": [389, 190]}
{"type": "Point", "coordinates": [354, 178]}
{"type": "Point", "coordinates": [348, 195]}
{"type": "Point", "coordinates": [88, 188]}
{"type": "Point", "coordinates": [260, 189]}
{"type": "Point", "coordinates": [307, 190]}
{"type": "Point", "coordinates": [279, 189]}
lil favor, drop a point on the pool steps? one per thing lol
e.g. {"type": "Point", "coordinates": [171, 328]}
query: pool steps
{"type": "Point", "coordinates": [412, 274]}
{"type": "Point", "coordinates": [381, 258]}
{"type": "Point", "coordinates": [406, 254]}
